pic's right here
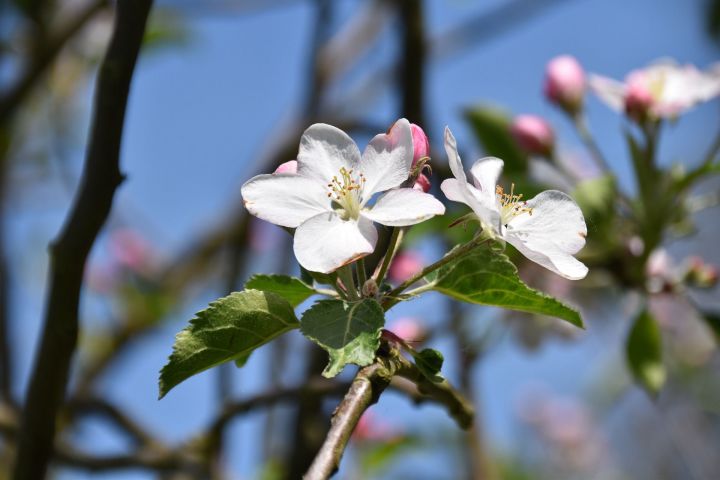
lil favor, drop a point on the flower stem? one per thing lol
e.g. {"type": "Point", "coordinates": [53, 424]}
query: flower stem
{"type": "Point", "coordinates": [712, 151]}
{"type": "Point", "coordinates": [346, 276]}
{"type": "Point", "coordinates": [395, 239]}
{"type": "Point", "coordinates": [391, 298]}
{"type": "Point", "coordinates": [589, 142]}
{"type": "Point", "coordinates": [361, 274]}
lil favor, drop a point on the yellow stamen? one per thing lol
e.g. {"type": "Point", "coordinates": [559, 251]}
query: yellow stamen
{"type": "Point", "coordinates": [511, 205]}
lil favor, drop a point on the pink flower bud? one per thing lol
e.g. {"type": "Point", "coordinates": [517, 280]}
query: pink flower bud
{"type": "Point", "coordinates": [405, 265]}
{"type": "Point", "coordinates": [533, 134]}
{"type": "Point", "coordinates": [422, 183]}
{"type": "Point", "coordinates": [421, 144]}
{"type": "Point", "coordinates": [130, 250]}
{"type": "Point", "coordinates": [409, 329]}
{"type": "Point", "coordinates": [638, 98]}
{"type": "Point", "coordinates": [370, 428]}
{"type": "Point", "coordinates": [287, 167]}
{"type": "Point", "coordinates": [565, 83]}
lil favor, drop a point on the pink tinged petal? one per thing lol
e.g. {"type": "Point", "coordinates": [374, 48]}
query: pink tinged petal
{"type": "Point", "coordinates": [387, 159]}
{"type": "Point", "coordinates": [326, 242]}
{"type": "Point", "coordinates": [287, 167]}
{"type": "Point", "coordinates": [421, 144]}
{"type": "Point", "coordinates": [422, 183]}
{"type": "Point", "coordinates": [552, 234]}
{"type": "Point", "coordinates": [284, 199]}
{"type": "Point", "coordinates": [610, 91]}
{"type": "Point", "coordinates": [404, 206]}
{"type": "Point", "coordinates": [324, 150]}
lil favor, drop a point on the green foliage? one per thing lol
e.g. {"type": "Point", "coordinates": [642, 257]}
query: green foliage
{"type": "Point", "coordinates": [376, 456]}
{"type": "Point", "coordinates": [440, 225]}
{"type": "Point", "coordinates": [350, 332]}
{"type": "Point", "coordinates": [491, 126]}
{"type": "Point", "coordinates": [644, 353]}
{"type": "Point", "coordinates": [429, 361]}
{"type": "Point", "coordinates": [596, 198]}
{"type": "Point", "coordinates": [291, 289]}
{"type": "Point", "coordinates": [166, 29]}
{"type": "Point", "coordinates": [229, 329]}
{"type": "Point", "coordinates": [487, 277]}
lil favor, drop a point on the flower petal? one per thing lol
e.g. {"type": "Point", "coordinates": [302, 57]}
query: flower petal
{"type": "Point", "coordinates": [326, 242]}
{"type": "Point", "coordinates": [610, 91]}
{"type": "Point", "coordinates": [484, 207]}
{"type": "Point", "coordinates": [325, 149]}
{"type": "Point", "coordinates": [404, 206]}
{"type": "Point", "coordinates": [552, 234]}
{"type": "Point", "coordinates": [485, 173]}
{"type": "Point", "coordinates": [456, 166]}
{"type": "Point", "coordinates": [387, 159]}
{"type": "Point", "coordinates": [284, 199]}
{"type": "Point", "coordinates": [453, 190]}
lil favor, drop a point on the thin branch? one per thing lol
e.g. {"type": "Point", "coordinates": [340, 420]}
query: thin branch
{"type": "Point", "coordinates": [441, 393]}
{"type": "Point", "coordinates": [369, 383]}
{"type": "Point", "coordinates": [588, 140]}
{"type": "Point", "coordinates": [316, 388]}
{"type": "Point", "coordinates": [88, 406]}
{"type": "Point", "coordinates": [45, 54]}
{"type": "Point", "coordinates": [392, 297]}
{"type": "Point", "coordinates": [6, 353]}
{"type": "Point", "coordinates": [364, 391]}
{"type": "Point", "coordinates": [144, 459]}
{"type": "Point", "coordinates": [101, 177]}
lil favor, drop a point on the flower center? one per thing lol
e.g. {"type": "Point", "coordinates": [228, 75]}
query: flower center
{"type": "Point", "coordinates": [346, 191]}
{"type": "Point", "coordinates": [511, 205]}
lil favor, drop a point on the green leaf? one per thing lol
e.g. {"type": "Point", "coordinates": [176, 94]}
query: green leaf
{"type": "Point", "coordinates": [487, 277]}
{"type": "Point", "coordinates": [491, 126]}
{"type": "Point", "coordinates": [350, 332]}
{"type": "Point", "coordinates": [644, 353]}
{"type": "Point", "coordinates": [291, 289]}
{"type": "Point", "coordinates": [429, 361]}
{"type": "Point", "coordinates": [596, 196]}
{"type": "Point", "coordinates": [229, 329]}
{"type": "Point", "coordinates": [242, 360]}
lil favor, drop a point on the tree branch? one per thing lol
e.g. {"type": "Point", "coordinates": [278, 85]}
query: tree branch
{"type": "Point", "coordinates": [43, 58]}
{"type": "Point", "coordinates": [365, 390]}
{"type": "Point", "coordinates": [99, 406]}
{"type": "Point", "coordinates": [101, 177]}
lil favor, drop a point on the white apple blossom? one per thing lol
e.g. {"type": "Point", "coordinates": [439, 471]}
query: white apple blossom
{"type": "Point", "coordinates": [548, 229]}
{"type": "Point", "coordinates": [662, 90]}
{"type": "Point", "coordinates": [330, 199]}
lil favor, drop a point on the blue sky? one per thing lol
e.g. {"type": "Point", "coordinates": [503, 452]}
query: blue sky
{"type": "Point", "coordinates": [201, 114]}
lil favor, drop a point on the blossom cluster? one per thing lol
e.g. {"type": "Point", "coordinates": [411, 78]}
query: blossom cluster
{"type": "Point", "coordinates": [332, 196]}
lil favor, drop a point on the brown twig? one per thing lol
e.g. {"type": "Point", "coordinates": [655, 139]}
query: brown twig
{"type": "Point", "coordinates": [101, 177]}
{"type": "Point", "coordinates": [365, 390]}
{"type": "Point", "coordinates": [317, 387]}
{"type": "Point", "coordinates": [43, 57]}
{"type": "Point", "coordinates": [79, 407]}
